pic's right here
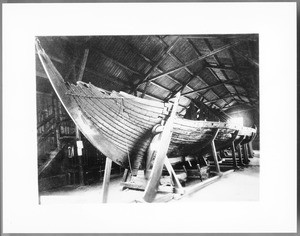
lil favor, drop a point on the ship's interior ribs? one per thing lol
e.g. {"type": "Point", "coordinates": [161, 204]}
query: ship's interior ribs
{"type": "Point", "coordinates": [171, 104]}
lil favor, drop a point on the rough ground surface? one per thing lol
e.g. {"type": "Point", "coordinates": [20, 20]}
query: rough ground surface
{"type": "Point", "coordinates": [241, 185]}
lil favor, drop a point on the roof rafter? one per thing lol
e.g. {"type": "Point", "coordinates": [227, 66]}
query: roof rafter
{"type": "Point", "coordinates": [252, 61]}
{"type": "Point", "coordinates": [210, 86]}
{"type": "Point", "coordinates": [193, 61]}
{"type": "Point", "coordinates": [165, 54]}
{"type": "Point", "coordinates": [220, 64]}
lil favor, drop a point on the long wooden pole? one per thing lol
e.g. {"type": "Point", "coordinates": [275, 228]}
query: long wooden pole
{"type": "Point", "coordinates": [79, 156]}
{"type": "Point", "coordinates": [106, 180]}
{"type": "Point", "coordinates": [78, 135]}
{"type": "Point", "coordinates": [160, 153]}
{"type": "Point", "coordinates": [214, 152]}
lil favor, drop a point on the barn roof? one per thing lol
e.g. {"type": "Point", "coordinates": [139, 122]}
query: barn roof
{"type": "Point", "coordinates": [220, 71]}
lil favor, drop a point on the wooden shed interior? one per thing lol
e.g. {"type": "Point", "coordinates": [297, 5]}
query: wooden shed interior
{"type": "Point", "coordinates": [217, 75]}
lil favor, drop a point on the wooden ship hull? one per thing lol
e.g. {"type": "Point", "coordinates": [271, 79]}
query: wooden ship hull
{"type": "Point", "coordinates": [122, 126]}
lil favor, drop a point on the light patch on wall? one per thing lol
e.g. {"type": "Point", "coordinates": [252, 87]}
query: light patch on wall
{"type": "Point", "coordinates": [237, 121]}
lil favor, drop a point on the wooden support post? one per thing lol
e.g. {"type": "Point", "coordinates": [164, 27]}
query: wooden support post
{"type": "Point", "coordinates": [250, 149]}
{"type": "Point", "coordinates": [214, 152]}
{"type": "Point", "coordinates": [55, 103]}
{"type": "Point", "coordinates": [106, 179]}
{"type": "Point", "coordinates": [233, 155]}
{"type": "Point", "coordinates": [240, 154]}
{"type": "Point", "coordinates": [246, 159]}
{"type": "Point", "coordinates": [199, 169]}
{"type": "Point", "coordinates": [125, 175]}
{"type": "Point", "coordinates": [79, 156]}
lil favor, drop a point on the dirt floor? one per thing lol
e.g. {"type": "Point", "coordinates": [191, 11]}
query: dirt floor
{"type": "Point", "coordinates": [241, 185]}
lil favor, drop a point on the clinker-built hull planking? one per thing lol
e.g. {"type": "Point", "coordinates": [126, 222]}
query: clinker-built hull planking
{"type": "Point", "coordinates": [120, 125]}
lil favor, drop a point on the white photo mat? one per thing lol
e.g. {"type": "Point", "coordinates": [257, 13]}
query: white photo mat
{"type": "Point", "coordinates": [275, 23]}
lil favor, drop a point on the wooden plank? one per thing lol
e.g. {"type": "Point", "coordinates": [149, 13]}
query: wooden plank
{"type": "Point", "coordinates": [106, 180]}
{"type": "Point", "coordinates": [165, 139]}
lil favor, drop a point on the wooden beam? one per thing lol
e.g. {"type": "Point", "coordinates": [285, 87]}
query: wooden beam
{"type": "Point", "coordinates": [223, 67]}
{"type": "Point", "coordinates": [182, 85]}
{"type": "Point", "coordinates": [194, 61]}
{"type": "Point", "coordinates": [180, 89]}
{"type": "Point", "coordinates": [214, 152]}
{"type": "Point", "coordinates": [165, 54]}
{"type": "Point", "coordinates": [217, 99]}
{"type": "Point", "coordinates": [135, 50]}
{"type": "Point", "coordinates": [219, 63]}
{"type": "Point", "coordinates": [210, 86]}
{"type": "Point", "coordinates": [250, 60]}
{"type": "Point", "coordinates": [106, 180]}
{"type": "Point", "coordinates": [83, 63]}
{"type": "Point", "coordinates": [102, 52]}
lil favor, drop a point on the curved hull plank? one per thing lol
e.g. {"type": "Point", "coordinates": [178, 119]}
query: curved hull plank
{"type": "Point", "coordinates": [120, 125]}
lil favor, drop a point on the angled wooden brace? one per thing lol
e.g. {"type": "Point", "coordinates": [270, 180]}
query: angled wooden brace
{"type": "Point", "coordinates": [214, 152]}
{"type": "Point", "coordinates": [178, 187]}
{"type": "Point", "coordinates": [235, 134]}
{"type": "Point", "coordinates": [250, 149]}
{"type": "Point", "coordinates": [239, 148]}
{"type": "Point", "coordinates": [160, 154]}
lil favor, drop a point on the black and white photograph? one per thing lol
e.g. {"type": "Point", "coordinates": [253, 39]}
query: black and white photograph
{"type": "Point", "coordinates": [148, 118]}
